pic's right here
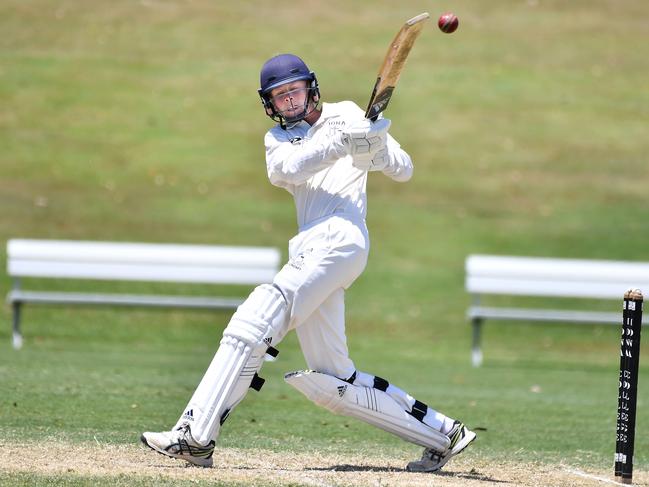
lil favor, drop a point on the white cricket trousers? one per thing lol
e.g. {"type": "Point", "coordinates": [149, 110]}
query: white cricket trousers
{"type": "Point", "coordinates": [325, 258]}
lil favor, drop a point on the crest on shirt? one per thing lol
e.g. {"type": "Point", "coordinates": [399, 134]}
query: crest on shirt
{"type": "Point", "coordinates": [295, 140]}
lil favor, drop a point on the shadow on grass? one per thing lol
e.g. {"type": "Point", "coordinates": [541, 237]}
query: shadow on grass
{"type": "Point", "coordinates": [471, 475]}
{"type": "Point", "coordinates": [355, 468]}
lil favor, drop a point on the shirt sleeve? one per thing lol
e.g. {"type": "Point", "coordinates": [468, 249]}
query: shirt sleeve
{"type": "Point", "coordinates": [400, 166]}
{"type": "Point", "coordinates": [293, 163]}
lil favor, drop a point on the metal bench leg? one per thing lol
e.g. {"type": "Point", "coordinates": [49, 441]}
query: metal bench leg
{"type": "Point", "coordinates": [17, 338]}
{"type": "Point", "coordinates": [476, 350]}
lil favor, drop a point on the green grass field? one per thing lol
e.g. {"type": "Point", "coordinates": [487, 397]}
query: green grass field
{"type": "Point", "coordinates": [139, 121]}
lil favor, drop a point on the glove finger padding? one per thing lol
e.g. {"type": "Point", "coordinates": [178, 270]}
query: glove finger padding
{"type": "Point", "coordinates": [377, 143]}
{"type": "Point", "coordinates": [380, 160]}
{"type": "Point", "coordinates": [377, 161]}
{"type": "Point", "coordinates": [365, 137]}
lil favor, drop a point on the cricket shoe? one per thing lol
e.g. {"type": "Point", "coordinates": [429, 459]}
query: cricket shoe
{"type": "Point", "coordinates": [432, 460]}
{"type": "Point", "coordinates": [179, 443]}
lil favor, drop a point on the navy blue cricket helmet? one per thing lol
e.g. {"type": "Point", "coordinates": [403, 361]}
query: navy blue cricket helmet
{"type": "Point", "coordinates": [282, 69]}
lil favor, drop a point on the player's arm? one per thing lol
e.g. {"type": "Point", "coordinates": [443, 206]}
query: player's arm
{"type": "Point", "coordinates": [295, 162]}
{"type": "Point", "coordinates": [388, 157]}
{"type": "Point", "coordinates": [394, 162]}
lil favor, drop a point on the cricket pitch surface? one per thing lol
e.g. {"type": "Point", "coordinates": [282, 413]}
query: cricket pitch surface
{"type": "Point", "coordinates": [269, 468]}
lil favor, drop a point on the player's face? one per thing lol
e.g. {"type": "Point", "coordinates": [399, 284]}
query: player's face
{"type": "Point", "coordinates": [290, 99]}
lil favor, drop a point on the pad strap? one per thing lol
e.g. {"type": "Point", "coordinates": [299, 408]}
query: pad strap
{"type": "Point", "coordinates": [273, 352]}
{"type": "Point", "coordinates": [257, 382]}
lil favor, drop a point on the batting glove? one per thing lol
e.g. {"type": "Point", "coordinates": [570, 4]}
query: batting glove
{"type": "Point", "coordinates": [365, 137]}
{"type": "Point", "coordinates": [372, 162]}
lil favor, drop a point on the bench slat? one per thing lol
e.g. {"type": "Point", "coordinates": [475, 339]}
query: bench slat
{"type": "Point", "coordinates": [209, 264]}
{"type": "Point", "coordinates": [227, 274]}
{"type": "Point", "coordinates": [551, 288]}
{"type": "Point", "coordinates": [199, 302]}
{"type": "Point", "coordinates": [141, 253]}
{"type": "Point", "coordinates": [542, 268]}
{"type": "Point", "coordinates": [544, 315]}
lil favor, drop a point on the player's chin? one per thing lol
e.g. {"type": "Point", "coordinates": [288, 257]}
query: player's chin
{"type": "Point", "coordinates": [293, 115]}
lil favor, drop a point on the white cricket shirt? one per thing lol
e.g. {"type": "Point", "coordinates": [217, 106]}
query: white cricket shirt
{"type": "Point", "coordinates": [311, 163]}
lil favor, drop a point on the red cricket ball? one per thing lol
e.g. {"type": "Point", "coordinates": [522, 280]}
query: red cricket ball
{"type": "Point", "coordinates": [448, 23]}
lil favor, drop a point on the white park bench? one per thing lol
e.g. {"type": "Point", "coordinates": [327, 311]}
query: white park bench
{"type": "Point", "coordinates": [195, 264]}
{"type": "Point", "coordinates": [547, 277]}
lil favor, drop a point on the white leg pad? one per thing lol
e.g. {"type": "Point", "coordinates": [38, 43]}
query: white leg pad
{"type": "Point", "coordinates": [367, 404]}
{"type": "Point", "coordinates": [238, 359]}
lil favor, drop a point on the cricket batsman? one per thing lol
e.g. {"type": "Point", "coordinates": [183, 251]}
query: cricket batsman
{"type": "Point", "coordinates": [321, 153]}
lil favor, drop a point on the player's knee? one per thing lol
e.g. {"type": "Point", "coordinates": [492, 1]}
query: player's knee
{"type": "Point", "coordinates": [263, 314]}
{"type": "Point", "coordinates": [324, 390]}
